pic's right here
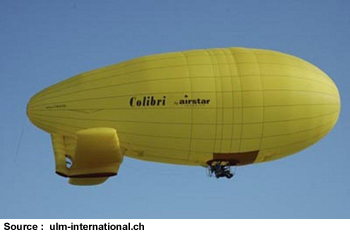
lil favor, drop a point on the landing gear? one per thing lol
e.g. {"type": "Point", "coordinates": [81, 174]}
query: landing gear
{"type": "Point", "coordinates": [220, 169]}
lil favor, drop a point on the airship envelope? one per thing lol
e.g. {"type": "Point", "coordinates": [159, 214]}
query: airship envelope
{"type": "Point", "coordinates": [212, 108]}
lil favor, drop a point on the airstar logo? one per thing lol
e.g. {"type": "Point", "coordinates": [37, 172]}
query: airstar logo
{"type": "Point", "coordinates": [192, 102]}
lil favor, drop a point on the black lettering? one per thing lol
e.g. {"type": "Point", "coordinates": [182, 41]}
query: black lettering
{"type": "Point", "coordinates": [153, 101]}
{"type": "Point", "coordinates": [8, 226]}
{"type": "Point", "coordinates": [132, 101]}
{"type": "Point", "coordinates": [146, 101]}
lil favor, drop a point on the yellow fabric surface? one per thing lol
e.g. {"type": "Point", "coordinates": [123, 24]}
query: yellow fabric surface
{"type": "Point", "coordinates": [182, 107]}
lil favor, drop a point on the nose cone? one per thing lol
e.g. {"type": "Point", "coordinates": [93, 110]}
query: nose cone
{"type": "Point", "coordinates": [327, 110]}
{"type": "Point", "coordinates": [330, 101]}
{"type": "Point", "coordinates": [337, 102]}
{"type": "Point", "coordinates": [302, 105]}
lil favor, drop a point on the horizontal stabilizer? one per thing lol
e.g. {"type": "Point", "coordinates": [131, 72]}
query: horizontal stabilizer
{"type": "Point", "coordinates": [95, 154]}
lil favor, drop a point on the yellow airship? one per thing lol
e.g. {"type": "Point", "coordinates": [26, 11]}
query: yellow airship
{"type": "Point", "coordinates": [214, 108]}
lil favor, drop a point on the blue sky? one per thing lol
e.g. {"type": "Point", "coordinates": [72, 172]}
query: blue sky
{"type": "Point", "coordinates": [43, 42]}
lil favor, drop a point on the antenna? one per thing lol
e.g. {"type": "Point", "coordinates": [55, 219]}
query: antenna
{"type": "Point", "coordinates": [19, 142]}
